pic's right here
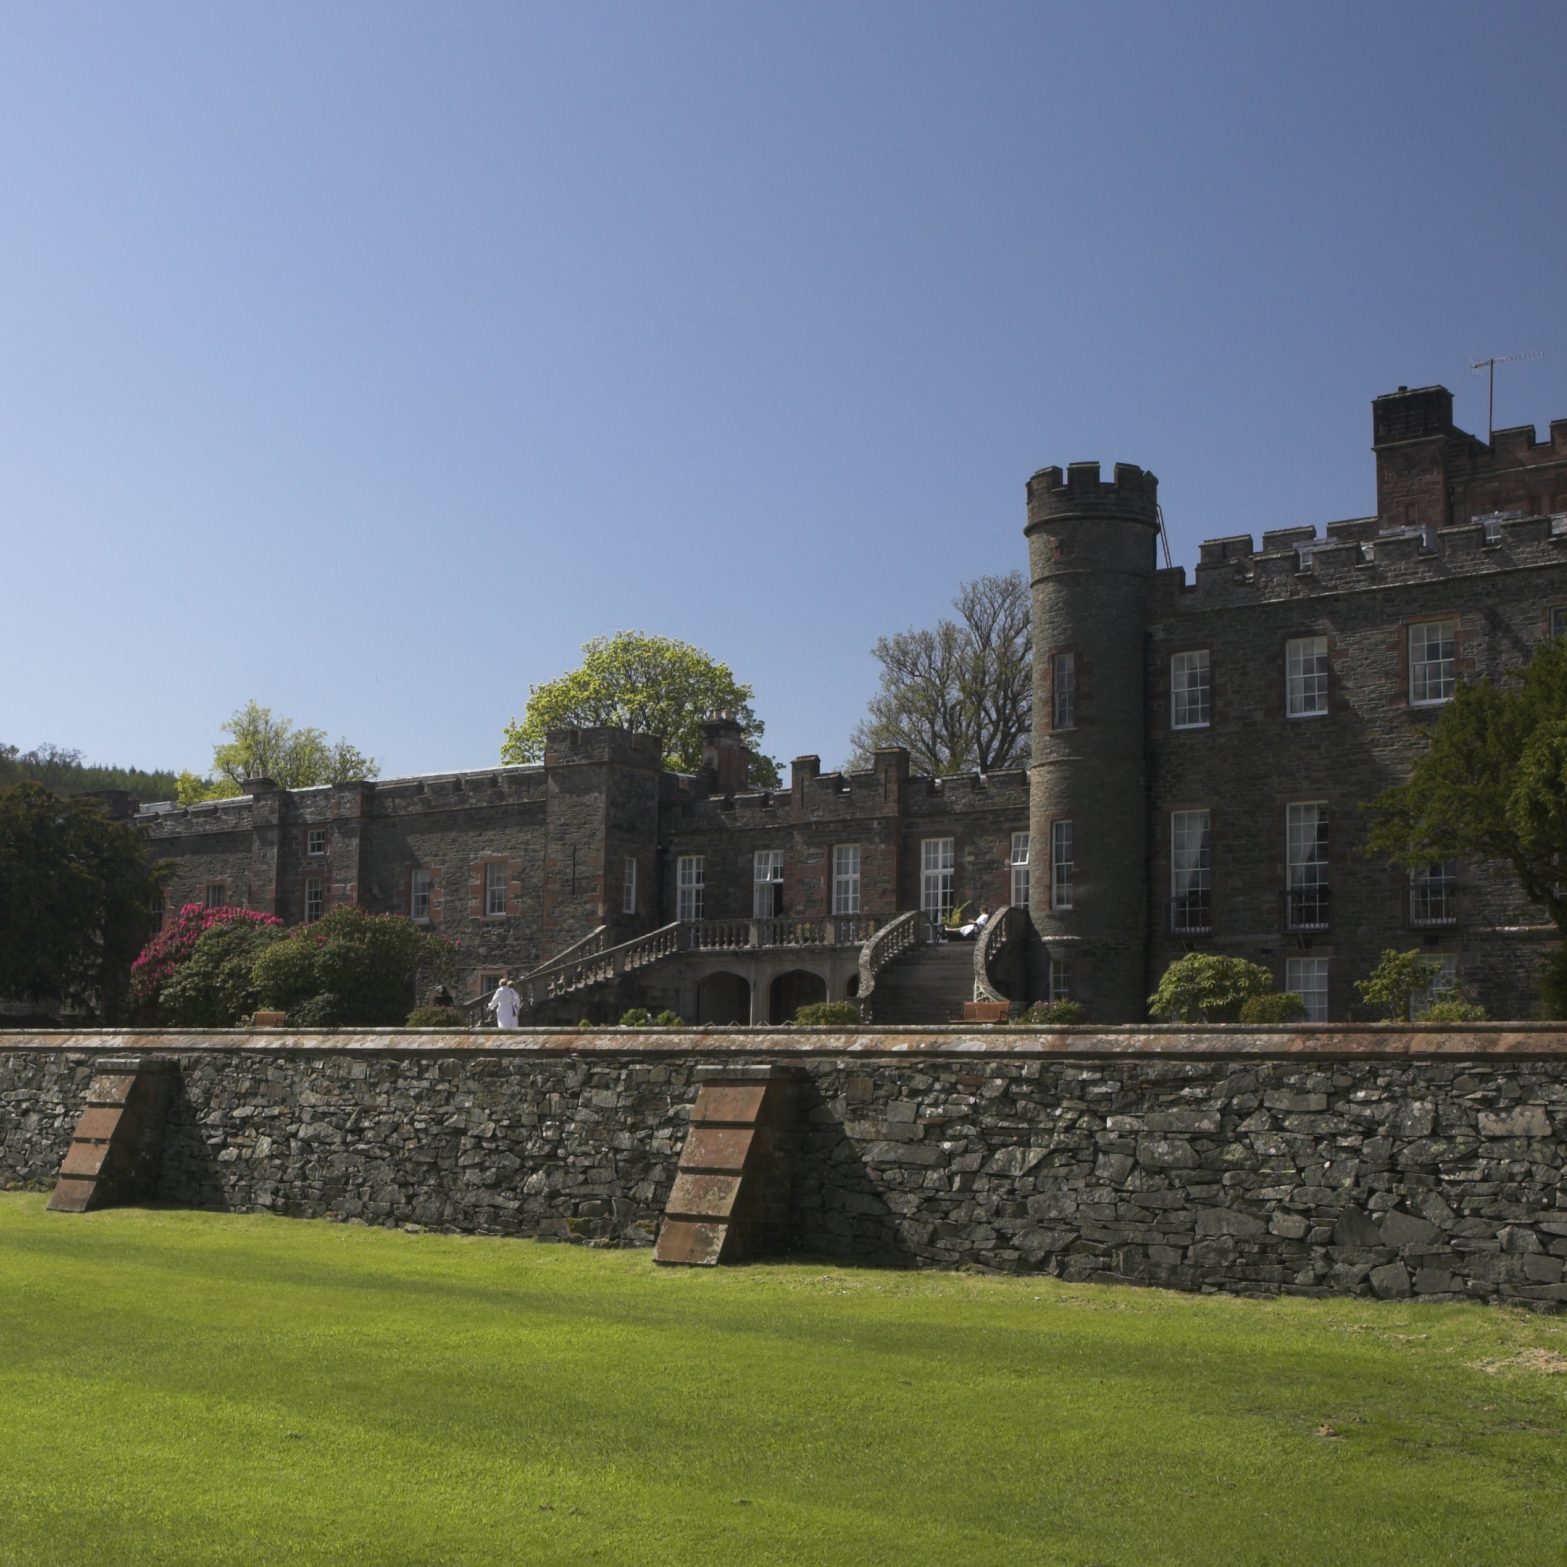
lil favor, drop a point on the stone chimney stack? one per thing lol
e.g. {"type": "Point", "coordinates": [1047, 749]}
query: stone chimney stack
{"type": "Point", "coordinates": [724, 756]}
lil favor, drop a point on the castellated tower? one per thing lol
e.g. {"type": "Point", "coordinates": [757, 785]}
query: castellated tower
{"type": "Point", "coordinates": [1091, 558]}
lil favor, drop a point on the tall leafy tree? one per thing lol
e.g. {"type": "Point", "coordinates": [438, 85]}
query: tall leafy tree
{"type": "Point", "coordinates": [1491, 785]}
{"type": "Point", "coordinates": [264, 745]}
{"type": "Point", "coordinates": [957, 697]}
{"type": "Point", "coordinates": [649, 685]}
{"type": "Point", "coordinates": [75, 895]}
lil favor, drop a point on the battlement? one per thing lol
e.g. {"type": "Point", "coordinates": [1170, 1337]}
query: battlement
{"type": "Point", "coordinates": [563, 747]}
{"type": "Point", "coordinates": [1132, 495]}
{"type": "Point", "coordinates": [1519, 444]}
{"type": "Point", "coordinates": [482, 784]}
{"type": "Point", "coordinates": [1355, 554]}
{"type": "Point", "coordinates": [321, 802]}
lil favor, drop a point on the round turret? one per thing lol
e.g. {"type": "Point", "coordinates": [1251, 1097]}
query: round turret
{"type": "Point", "coordinates": [1091, 557]}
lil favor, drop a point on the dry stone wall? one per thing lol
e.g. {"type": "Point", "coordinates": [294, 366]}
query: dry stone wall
{"type": "Point", "coordinates": [1373, 1161]}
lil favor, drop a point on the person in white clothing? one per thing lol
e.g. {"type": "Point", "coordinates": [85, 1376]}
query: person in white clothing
{"type": "Point", "coordinates": [505, 1004]}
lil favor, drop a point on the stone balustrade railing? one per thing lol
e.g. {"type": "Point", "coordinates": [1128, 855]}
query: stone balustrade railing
{"type": "Point", "coordinates": [1002, 930]}
{"type": "Point", "coordinates": [896, 936]}
{"type": "Point", "coordinates": [590, 962]}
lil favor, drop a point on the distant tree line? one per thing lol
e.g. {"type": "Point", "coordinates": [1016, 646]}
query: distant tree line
{"type": "Point", "coordinates": [64, 772]}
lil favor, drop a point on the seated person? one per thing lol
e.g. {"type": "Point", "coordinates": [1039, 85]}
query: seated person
{"type": "Point", "coordinates": [976, 925]}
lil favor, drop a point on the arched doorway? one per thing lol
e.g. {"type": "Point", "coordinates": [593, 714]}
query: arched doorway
{"type": "Point", "coordinates": [792, 991]}
{"type": "Point", "coordinates": [723, 998]}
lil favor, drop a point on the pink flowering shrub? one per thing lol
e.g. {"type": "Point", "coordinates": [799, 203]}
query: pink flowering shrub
{"type": "Point", "coordinates": [161, 958]}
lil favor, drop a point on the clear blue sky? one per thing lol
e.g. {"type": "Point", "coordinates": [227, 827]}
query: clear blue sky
{"type": "Point", "coordinates": [366, 359]}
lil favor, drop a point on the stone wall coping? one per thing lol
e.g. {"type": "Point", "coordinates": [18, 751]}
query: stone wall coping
{"type": "Point", "coordinates": [1387, 1040]}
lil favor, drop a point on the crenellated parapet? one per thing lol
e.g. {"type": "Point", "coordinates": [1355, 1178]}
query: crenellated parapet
{"type": "Point", "coordinates": [842, 799]}
{"type": "Point", "coordinates": [1352, 556]}
{"type": "Point", "coordinates": [1079, 492]}
{"type": "Point", "coordinates": [1520, 446]}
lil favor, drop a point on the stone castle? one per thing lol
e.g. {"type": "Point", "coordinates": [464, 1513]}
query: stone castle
{"type": "Point", "coordinates": [1200, 752]}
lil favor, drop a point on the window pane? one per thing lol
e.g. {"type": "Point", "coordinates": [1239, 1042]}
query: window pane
{"type": "Point", "coordinates": [1308, 978]}
{"type": "Point", "coordinates": [1063, 690]}
{"type": "Point", "coordinates": [767, 879]}
{"type": "Point", "coordinates": [1060, 979]}
{"type": "Point", "coordinates": [1062, 865]}
{"type": "Point", "coordinates": [628, 887]}
{"type": "Point", "coordinates": [419, 896]}
{"type": "Point", "coordinates": [936, 866]}
{"type": "Point", "coordinates": [1443, 986]}
{"type": "Point", "coordinates": [1019, 869]}
{"type": "Point", "coordinates": [1433, 661]}
{"type": "Point", "coordinates": [1306, 837]}
{"type": "Point", "coordinates": [1433, 894]}
{"type": "Point", "coordinates": [495, 888]}
{"type": "Point", "coordinates": [1306, 677]}
{"type": "Point", "coordinates": [1190, 851]}
{"type": "Point", "coordinates": [1306, 856]}
{"type": "Point", "coordinates": [1189, 690]}
{"type": "Point", "coordinates": [689, 887]}
{"type": "Point", "coordinates": [846, 878]}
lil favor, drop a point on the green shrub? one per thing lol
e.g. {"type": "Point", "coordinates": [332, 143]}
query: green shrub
{"type": "Point", "coordinates": [1053, 1014]}
{"type": "Point", "coordinates": [827, 1014]}
{"type": "Point", "coordinates": [1279, 1006]}
{"type": "Point", "coordinates": [635, 1017]}
{"type": "Point", "coordinates": [323, 1010]}
{"type": "Point", "coordinates": [1397, 978]}
{"type": "Point", "coordinates": [668, 1019]}
{"type": "Point", "coordinates": [1551, 985]}
{"type": "Point", "coordinates": [367, 964]}
{"type": "Point", "coordinates": [1453, 1010]}
{"type": "Point", "coordinates": [435, 1017]}
{"type": "Point", "coordinates": [173, 947]}
{"type": "Point", "coordinates": [583, 1022]}
{"type": "Point", "coordinates": [214, 987]}
{"type": "Point", "coordinates": [1204, 987]}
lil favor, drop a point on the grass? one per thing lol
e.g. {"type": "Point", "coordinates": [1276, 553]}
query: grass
{"type": "Point", "coordinates": [179, 1387]}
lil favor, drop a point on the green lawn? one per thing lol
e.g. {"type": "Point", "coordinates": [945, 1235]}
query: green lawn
{"type": "Point", "coordinates": [183, 1387]}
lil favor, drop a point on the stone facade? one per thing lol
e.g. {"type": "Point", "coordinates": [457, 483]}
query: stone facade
{"type": "Point", "coordinates": [519, 863]}
{"type": "Point", "coordinates": [1338, 1161]}
{"type": "Point", "coordinates": [1223, 733]}
{"type": "Point", "coordinates": [1201, 750]}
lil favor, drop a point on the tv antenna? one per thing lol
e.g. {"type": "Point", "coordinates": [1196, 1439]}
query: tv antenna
{"type": "Point", "coordinates": [1489, 366]}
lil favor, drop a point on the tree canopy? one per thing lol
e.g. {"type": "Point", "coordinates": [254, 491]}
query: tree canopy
{"type": "Point", "coordinates": [75, 897]}
{"type": "Point", "coordinates": [646, 684]}
{"type": "Point", "coordinates": [262, 745]}
{"type": "Point", "coordinates": [958, 697]}
{"type": "Point", "coordinates": [1492, 784]}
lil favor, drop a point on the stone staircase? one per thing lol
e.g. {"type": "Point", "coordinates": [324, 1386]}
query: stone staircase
{"type": "Point", "coordinates": [926, 984]}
